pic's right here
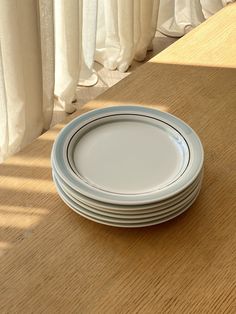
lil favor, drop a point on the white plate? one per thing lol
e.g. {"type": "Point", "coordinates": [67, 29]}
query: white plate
{"type": "Point", "coordinates": [128, 154]}
{"type": "Point", "coordinates": [121, 208]}
{"type": "Point", "coordinates": [124, 209]}
{"type": "Point", "coordinates": [151, 168]}
{"type": "Point", "coordinates": [96, 218]}
{"type": "Point", "coordinates": [145, 215]}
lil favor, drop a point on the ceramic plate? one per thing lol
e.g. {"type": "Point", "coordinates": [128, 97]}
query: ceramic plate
{"type": "Point", "coordinates": [128, 155]}
{"type": "Point", "coordinates": [122, 223]}
{"type": "Point", "coordinates": [133, 209]}
{"type": "Point", "coordinates": [130, 216]}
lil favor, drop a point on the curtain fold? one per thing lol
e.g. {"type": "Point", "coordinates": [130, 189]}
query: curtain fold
{"type": "Point", "coordinates": [68, 28]}
{"type": "Point", "coordinates": [148, 21]}
{"type": "Point", "coordinates": [125, 30]}
{"type": "Point", "coordinates": [47, 46]}
{"type": "Point", "coordinates": [88, 76]}
{"type": "Point", "coordinates": [178, 17]}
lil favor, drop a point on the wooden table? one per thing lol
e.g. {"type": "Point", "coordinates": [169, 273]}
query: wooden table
{"type": "Point", "coordinates": [54, 261]}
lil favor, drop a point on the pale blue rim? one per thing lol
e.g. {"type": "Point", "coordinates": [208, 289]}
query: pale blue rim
{"type": "Point", "coordinates": [193, 169]}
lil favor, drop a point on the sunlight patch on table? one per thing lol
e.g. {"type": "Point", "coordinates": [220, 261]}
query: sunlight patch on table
{"type": "Point", "coordinates": [19, 221]}
{"type": "Point", "coordinates": [29, 161]}
{"type": "Point", "coordinates": [97, 104]}
{"type": "Point", "coordinates": [24, 211]}
{"type": "Point", "coordinates": [27, 184]}
{"type": "Point", "coordinates": [4, 246]}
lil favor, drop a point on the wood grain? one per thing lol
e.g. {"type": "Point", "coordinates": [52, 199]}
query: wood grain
{"type": "Point", "coordinates": [54, 261]}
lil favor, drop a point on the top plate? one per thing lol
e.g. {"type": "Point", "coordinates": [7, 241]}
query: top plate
{"type": "Point", "coordinates": [127, 155]}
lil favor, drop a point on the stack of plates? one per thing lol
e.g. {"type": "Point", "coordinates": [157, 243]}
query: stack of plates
{"type": "Point", "coordinates": [128, 166]}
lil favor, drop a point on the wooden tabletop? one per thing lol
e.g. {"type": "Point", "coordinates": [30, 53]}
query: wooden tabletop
{"type": "Point", "coordinates": [54, 261]}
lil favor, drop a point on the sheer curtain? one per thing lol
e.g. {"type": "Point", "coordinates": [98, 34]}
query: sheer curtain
{"type": "Point", "coordinates": [125, 31]}
{"type": "Point", "coordinates": [111, 32]}
{"type": "Point", "coordinates": [47, 48]}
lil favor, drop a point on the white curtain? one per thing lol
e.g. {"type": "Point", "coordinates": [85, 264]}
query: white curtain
{"type": "Point", "coordinates": [26, 72]}
{"type": "Point", "coordinates": [48, 47]}
{"type": "Point", "coordinates": [178, 17]}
